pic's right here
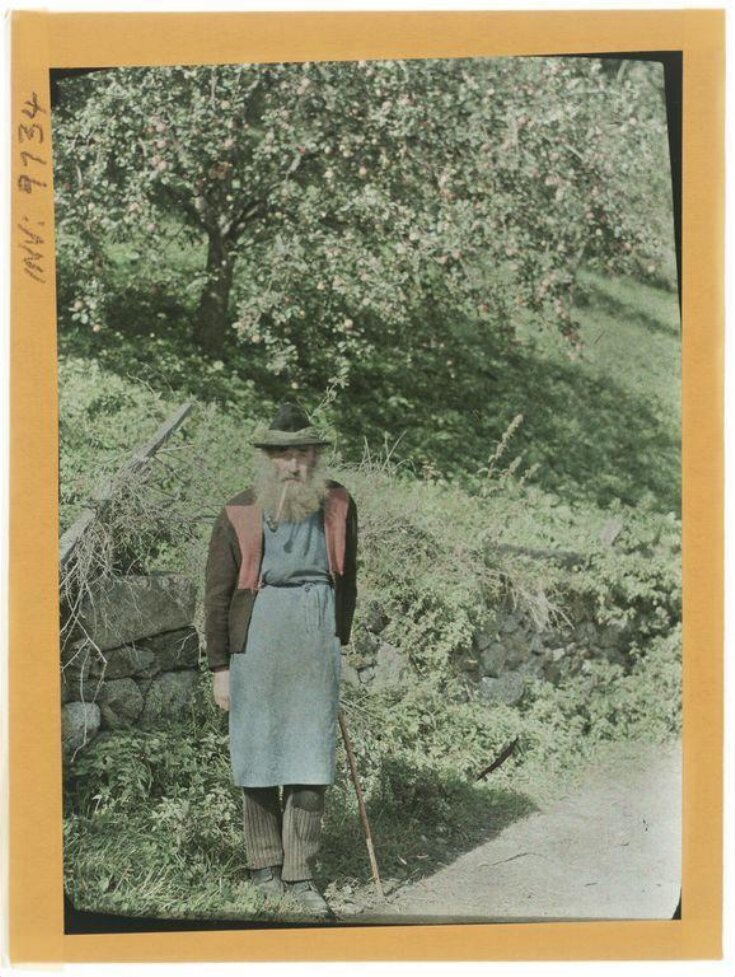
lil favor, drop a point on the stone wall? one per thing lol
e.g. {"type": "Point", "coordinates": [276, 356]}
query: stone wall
{"type": "Point", "coordinates": [511, 647]}
{"type": "Point", "coordinates": [507, 650]}
{"type": "Point", "coordinates": [137, 664]}
{"type": "Point", "coordinates": [133, 659]}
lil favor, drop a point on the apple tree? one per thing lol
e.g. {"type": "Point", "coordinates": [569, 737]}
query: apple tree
{"type": "Point", "coordinates": [340, 210]}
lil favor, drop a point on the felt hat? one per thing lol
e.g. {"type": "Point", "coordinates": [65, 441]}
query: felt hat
{"type": "Point", "coordinates": [290, 428]}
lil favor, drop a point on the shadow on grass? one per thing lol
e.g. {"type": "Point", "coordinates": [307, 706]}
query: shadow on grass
{"type": "Point", "coordinates": [599, 295]}
{"type": "Point", "coordinates": [420, 821]}
{"type": "Point", "coordinates": [593, 439]}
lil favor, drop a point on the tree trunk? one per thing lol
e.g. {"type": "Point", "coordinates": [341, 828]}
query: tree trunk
{"type": "Point", "coordinates": [211, 323]}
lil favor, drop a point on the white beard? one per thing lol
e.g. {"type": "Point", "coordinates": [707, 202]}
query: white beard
{"type": "Point", "coordinates": [298, 501]}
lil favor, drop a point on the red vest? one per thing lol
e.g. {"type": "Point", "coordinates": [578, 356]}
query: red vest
{"type": "Point", "coordinates": [247, 521]}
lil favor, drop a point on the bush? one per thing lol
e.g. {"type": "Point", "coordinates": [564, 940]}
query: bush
{"type": "Point", "coordinates": [603, 703]}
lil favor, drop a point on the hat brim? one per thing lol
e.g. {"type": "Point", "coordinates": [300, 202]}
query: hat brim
{"type": "Point", "coordinates": [289, 444]}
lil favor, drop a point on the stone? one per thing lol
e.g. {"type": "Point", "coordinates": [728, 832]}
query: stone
{"type": "Point", "coordinates": [534, 667]}
{"type": "Point", "coordinates": [125, 662]}
{"type": "Point", "coordinates": [76, 687]}
{"type": "Point", "coordinates": [126, 609]}
{"type": "Point", "coordinates": [391, 667]}
{"type": "Point", "coordinates": [484, 638]}
{"type": "Point", "coordinates": [374, 617]}
{"type": "Point", "coordinates": [553, 672]}
{"type": "Point", "coordinates": [121, 703]}
{"type": "Point", "coordinates": [365, 646]}
{"type": "Point", "coordinates": [492, 660]}
{"type": "Point", "coordinates": [168, 697]}
{"type": "Point", "coordinates": [510, 622]}
{"type": "Point", "coordinates": [76, 661]}
{"type": "Point", "coordinates": [77, 657]}
{"type": "Point", "coordinates": [71, 689]}
{"type": "Point", "coordinates": [507, 689]}
{"type": "Point", "coordinates": [366, 674]}
{"type": "Point", "coordinates": [174, 649]}
{"type": "Point", "coordinates": [80, 722]}
{"type": "Point", "coordinates": [517, 649]}
{"type": "Point", "coordinates": [537, 644]}
{"type": "Point", "coordinates": [348, 673]}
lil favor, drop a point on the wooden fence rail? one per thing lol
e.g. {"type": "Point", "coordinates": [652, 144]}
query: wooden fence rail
{"type": "Point", "coordinates": [141, 456]}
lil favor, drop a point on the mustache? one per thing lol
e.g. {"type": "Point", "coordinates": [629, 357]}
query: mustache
{"type": "Point", "coordinates": [291, 494]}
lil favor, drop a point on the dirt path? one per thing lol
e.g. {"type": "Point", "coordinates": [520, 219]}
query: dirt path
{"type": "Point", "coordinates": [608, 850]}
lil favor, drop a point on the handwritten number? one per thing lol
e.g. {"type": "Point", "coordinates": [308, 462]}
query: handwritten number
{"type": "Point", "coordinates": [28, 132]}
{"type": "Point", "coordinates": [31, 240]}
{"type": "Point", "coordinates": [26, 183]}
{"type": "Point", "coordinates": [25, 156]}
{"type": "Point", "coordinates": [33, 107]}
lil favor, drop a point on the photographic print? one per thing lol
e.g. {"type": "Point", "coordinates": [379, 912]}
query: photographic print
{"type": "Point", "coordinates": [372, 451]}
{"type": "Point", "coordinates": [459, 276]}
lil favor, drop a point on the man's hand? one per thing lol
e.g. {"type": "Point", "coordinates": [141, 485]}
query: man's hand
{"type": "Point", "coordinates": [221, 688]}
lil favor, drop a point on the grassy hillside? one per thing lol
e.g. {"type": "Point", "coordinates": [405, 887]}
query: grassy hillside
{"type": "Point", "coordinates": [441, 540]}
{"type": "Point", "coordinates": [601, 425]}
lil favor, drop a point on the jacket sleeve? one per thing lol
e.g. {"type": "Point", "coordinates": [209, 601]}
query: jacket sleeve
{"type": "Point", "coordinates": [220, 583]}
{"type": "Point", "coordinates": [350, 571]}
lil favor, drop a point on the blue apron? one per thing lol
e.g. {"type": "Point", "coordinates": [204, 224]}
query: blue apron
{"type": "Point", "coordinates": [284, 687]}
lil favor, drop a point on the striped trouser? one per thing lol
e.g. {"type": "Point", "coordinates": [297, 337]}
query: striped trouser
{"type": "Point", "coordinates": [288, 837]}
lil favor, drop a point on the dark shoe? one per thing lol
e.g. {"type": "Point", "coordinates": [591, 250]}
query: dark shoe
{"type": "Point", "coordinates": [268, 880]}
{"type": "Point", "coordinates": [306, 894]}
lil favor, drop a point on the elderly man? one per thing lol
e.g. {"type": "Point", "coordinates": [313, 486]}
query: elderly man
{"type": "Point", "coordinates": [279, 601]}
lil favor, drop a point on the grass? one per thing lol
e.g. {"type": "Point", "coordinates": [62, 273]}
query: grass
{"type": "Point", "coordinates": [439, 542]}
{"type": "Point", "coordinates": [601, 424]}
{"type": "Point", "coordinates": [635, 330]}
{"type": "Point", "coordinates": [172, 847]}
{"type": "Point", "coordinates": [126, 864]}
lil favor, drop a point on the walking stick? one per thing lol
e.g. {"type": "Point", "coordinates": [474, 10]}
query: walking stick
{"type": "Point", "coordinates": [361, 804]}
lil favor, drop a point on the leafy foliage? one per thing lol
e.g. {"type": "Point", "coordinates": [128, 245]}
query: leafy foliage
{"type": "Point", "coordinates": [153, 824]}
{"type": "Point", "coordinates": [601, 428]}
{"type": "Point", "coordinates": [344, 207]}
{"type": "Point", "coordinates": [604, 703]}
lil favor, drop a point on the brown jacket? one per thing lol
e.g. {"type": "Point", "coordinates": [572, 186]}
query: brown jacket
{"type": "Point", "coordinates": [233, 570]}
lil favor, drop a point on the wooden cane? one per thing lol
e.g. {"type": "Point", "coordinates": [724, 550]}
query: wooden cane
{"type": "Point", "coordinates": [361, 804]}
